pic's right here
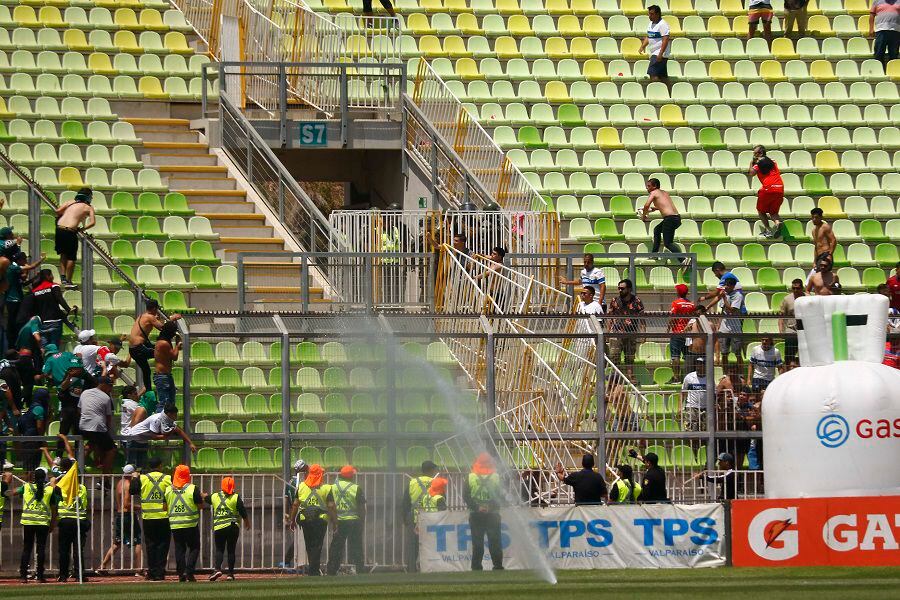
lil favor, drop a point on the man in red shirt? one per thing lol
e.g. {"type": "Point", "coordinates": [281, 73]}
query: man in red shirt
{"type": "Point", "coordinates": [770, 194]}
{"type": "Point", "coordinates": [893, 283]}
{"type": "Point", "coordinates": [677, 345]}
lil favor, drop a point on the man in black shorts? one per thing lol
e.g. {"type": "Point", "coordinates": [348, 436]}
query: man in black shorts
{"type": "Point", "coordinates": [127, 528]}
{"type": "Point", "coordinates": [658, 40]}
{"type": "Point", "coordinates": [72, 217]}
{"type": "Point", "coordinates": [96, 423]}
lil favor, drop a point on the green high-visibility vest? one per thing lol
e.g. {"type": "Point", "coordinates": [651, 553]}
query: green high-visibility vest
{"type": "Point", "coordinates": [183, 511]}
{"type": "Point", "coordinates": [153, 495]}
{"type": "Point", "coordinates": [344, 494]}
{"type": "Point", "coordinates": [418, 491]}
{"type": "Point", "coordinates": [225, 512]}
{"type": "Point", "coordinates": [390, 243]}
{"type": "Point", "coordinates": [313, 500]}
{"type": "Point", "coordinates": [626, 494]}
{"type": "Point", "coordinates": [430, 503]}
{"type": "Point", "coordinates": [68, 511]}
{"type": "Point", "coordinates": [2, 507]}
{"type": "Point", "coordinates": [484, 488]}
{"type": "Point", "coordinates": [36, 511]}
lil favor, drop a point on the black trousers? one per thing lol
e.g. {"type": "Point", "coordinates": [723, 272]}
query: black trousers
{"type": "Point", "coordinates": [68, 551]}
{"type": "Point", "coordinates": [142, 355]}
{"type": "Point", "coordinates": [12, 319]}
{"type": "Point", "coordinates": [412, 560]}
{"type": "Point", "coordinates": [156, 545]}
{"type": "Point", "coordinates": [68, 425]}
{"type": "Point", "coordinates": [349, 531]}
{"type": "Point", "coordinates": [226, 541]}
{"type": "Point", "coordinates": [665, 231]}
{"type": "Point", "coordinates": [485, 524]}
{"type": "Point", "coordinates": [187, 550]}
{"type": "Point", "coordinates": [32, 534]}
{"type": "Point", "coordinates": [367, 5]}
{"type": "Point", "coordinates": [313, 538]}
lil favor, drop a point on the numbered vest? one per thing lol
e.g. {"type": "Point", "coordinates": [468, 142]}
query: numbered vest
{"type": "Point", "coordinates": [183, 512]}
{"type": "Point", "coordinates": [153, 495]}
{"type": "Point", "coordinates": [344, 494]}
{"type": "Point", "coordinates": [36, 511]}
{"type": "Point", "coordinates": [312, 501]}
{"type": "Point", "coordinates": [78, 509]}
{"type": "Point", "coordinates": [225, 512]}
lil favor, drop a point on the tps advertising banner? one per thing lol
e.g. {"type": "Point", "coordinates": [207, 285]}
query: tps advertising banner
{"type": "Point", "coordinates": [588, 537]}
{"type": "Point", "coordinates": [816, 531]}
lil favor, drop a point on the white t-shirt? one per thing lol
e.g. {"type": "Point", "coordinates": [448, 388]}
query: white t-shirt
{"type": "Point", "coordinates": [765, 362]}
{"type": "Point", "coordinates": [593, 278]}
{"type": "Point", "coordinates": [593, 308]}
{"type": "Point", "coordinates": [655, 34]}
{"type": "Point", "coordinates": [695, 386]}
{"type": "Point", "coordinates": [128, 408]}
{"type": "Point", "coordinates": [155, 424]}
{"type": "Point", "coordinates": [736, 299]}
{"type": "Point", "coordinates": [88, 354]}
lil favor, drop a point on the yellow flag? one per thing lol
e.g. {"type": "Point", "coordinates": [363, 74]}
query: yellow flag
{"type": "Point", "coordinates": [68, 484]}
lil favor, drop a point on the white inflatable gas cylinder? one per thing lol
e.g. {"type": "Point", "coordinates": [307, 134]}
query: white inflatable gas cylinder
{"type": "Point", "coordinates": [832, 426]}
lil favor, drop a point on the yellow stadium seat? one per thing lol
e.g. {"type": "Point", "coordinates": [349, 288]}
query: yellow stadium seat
{"type": "Point", "coordinates": [893, 69]}
{"type": "Point", "coordinates": [608, 138]}
{"type": "Point", "coordinates": [174, 42]}
{"type": "Point", "coordinates": [683, 8]}
{"type": "Point", "coordinates": [455, 46]}
{"type": "Point", "coordinates": [812, 8]}
{"type": "Point", "coordinates": [857, 7]}
{"type": "Point", "coordinates": [126, 18]}
{"type": "Point", "coordinates": [151, 19]}
{"type": "Point", "coordinates": [431, 6]}
{"type": "Point", "coordinates": [632, 8]}
{"type": "Point", "coordinates": [419, 24]}
{"type": "Point", "coordinates": [718, 26]}
{"type": "Point", "coordinates": [336, 5]}
{"type": "Point", "coordinates": [150, 87]}
{"type": "Point", "coordinates": [783, 48]}
{"type": "Point", "coordinates": [821, 24]}
{"type": "Point", "coordinates": [70, 177]}
{"type": "Point", "coordinates": [770, 70]}
{"type": "Point", "coordinates": [594, 70]}
{"type": "Point", "coordinates": [356, 45]}
{"type": "Point", "coordinates": [49, 16]}
{"type": "Point", "coordinates": [456, 6]}
{"type": "Point", "coordinates": [830, 204]}
{"type": "Point", "coordinates": [582, 47]}
{"type": "Point", "coordinates": [75, 40]}
{"type": "Point", "coordinates": [671, 115]}
{"type": "Point", "coordinates": [558, 7]}
{"type": "Point", "coordinates": [25, 15]}
{"type": "Point", "coordinates": [430, 45]}
{"type": "Point", "coordinates": [674, 26]}
{"type": "Point", "coordinates": [720, 70]}
{"type": "Point", "coordinates": [508, 7]}
{"type": "Point", "coordinates": [594, 25]}
{"type": "Point", "coordinates": [556, 47]}
{"type": "Point", "coordinates": [739, 26]}
{"type": "Point", "coordinates": [557, 92]}
{"type": "Point", "coordinates": [467, 69]}
{"type": "Point", "coordinates": [827, 160]}
{"type": "Point", "coordinates": [99, 63]}
{"type": "Point", "coordinates": [584, 7]}
{"type": "Point", "coordinates": [821, 70]}
{"type": "Point", "coordinates": [506, 47]}
{"type": "Point", "coordinates": [732, 8]}
{"type": "Point", "coordinates": [468, 23]}
{"type": "Point", "coordinates": [519, 25]}
{"type": "Point", "coordinates": [631, 48]}
{"type": "Point", "coordinates": [569, 26]}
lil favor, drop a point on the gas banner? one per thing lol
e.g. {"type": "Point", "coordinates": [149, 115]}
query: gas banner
{"type": "Point", "coordinates": [816, 531]}
{"type": "Point", "coordinates": [589, 537]}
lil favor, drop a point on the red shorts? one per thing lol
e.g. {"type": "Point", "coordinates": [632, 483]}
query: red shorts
{"type": "Point", "coordinates": [769, 202]}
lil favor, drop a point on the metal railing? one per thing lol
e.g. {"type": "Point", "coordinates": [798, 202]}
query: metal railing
{"type": "Point", "coordinates": [435, 115]}
{"type": "Point", "coordinates": [271, 180]}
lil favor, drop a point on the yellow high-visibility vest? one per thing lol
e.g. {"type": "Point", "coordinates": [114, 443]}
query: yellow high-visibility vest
{"type": "Point", "coordinates": [68, 511]}
{"type": "Point", "coordinates": [183, 511]}
{"type": "Point", "coordinates": [36, 511]}
{"type": "Point", "coordinates": [225, 511]}
{"type": "Point", "coordinates": [344, 494]}
{"type": "Point", "coordinates": [153, 495]}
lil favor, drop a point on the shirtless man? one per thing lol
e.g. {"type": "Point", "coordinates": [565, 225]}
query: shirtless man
{"type": "Point", "coordinates": [127, 527]}
{"type": "Point", "coordinates": [139, 347]}
{"type": "Point", "coordinates": [671, 220]}
{"type": "Point", "coordinates": [164, 354]}
{"type": "Point", "coordinates": [822, 235]}
{"type": "Point", "coordinates": [70, 219]}
{"type": "Point", "coordinates": [824, 282]}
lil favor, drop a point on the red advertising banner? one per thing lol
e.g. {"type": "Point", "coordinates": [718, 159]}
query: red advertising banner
{"type": "Point", "coordinates": [816, 531]}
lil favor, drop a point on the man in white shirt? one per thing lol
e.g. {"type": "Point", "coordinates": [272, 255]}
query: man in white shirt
{"type": "Point", "coordinates": [694, 392]}
{"type": "Point", "coordinates": [731, 303]}
{"type": "Point", "coordinates": [588, 304]}
{"type": "Point", "coordinates": [764, 360]}
{"type": "Point", "coordinates": [135, 451]}
{"type": "Point", "coordinates": [160, 426]}
{"type": "Point", "coordinates": [658, 40]}
{"type": "Point", "coordinates": [592, 277]}
{"type": "Point", "coordinates": [87, 349]}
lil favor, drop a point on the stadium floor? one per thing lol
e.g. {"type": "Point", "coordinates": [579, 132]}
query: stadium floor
{"type": "Point", "coordinates": [824, 582]}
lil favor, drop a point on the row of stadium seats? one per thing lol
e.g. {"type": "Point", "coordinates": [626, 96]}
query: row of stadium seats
{"type": "Point", "coordinates": [25, 15]}
{"type": "Point", "coordinates": [311, 406]}
{"type": "Point", "coordinates": [22, 38]}
{"type": "Point", "coordinates": [120, 86]}
{"type": "Point", "coordinates": [312, 353]}
{"type": "Point", "coordinates": [329, 426]}
{"type": "Point", "coordinates": [122, 63]}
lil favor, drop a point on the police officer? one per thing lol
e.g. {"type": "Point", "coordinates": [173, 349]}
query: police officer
{"type": "Point", "coordinates": [69, 527]}
{"type": "Point", "coordinates": [227, 510]}
{"type": "Point", "coordinates": [313, 508]}
{"type": "Point", "coordinates": [482, 495]}
{"type": "Point", "coordinates": [38, 518]}
{"type": "Point", "coordinates": [152, 488]}
{"type": "Point", "coordinates": [413, 495]}
{"type": "Point", "coordinates": [184, 501]}
{"type": "Point", "coordinates": [625, 489]}
{"type": "Point", "coordinates": [350, 509]}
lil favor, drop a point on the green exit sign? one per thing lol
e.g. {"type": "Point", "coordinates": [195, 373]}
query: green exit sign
{"type": "Point", "coordinates": [313, 133]}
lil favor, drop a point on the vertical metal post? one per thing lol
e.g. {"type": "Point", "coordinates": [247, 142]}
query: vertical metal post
{"type": "Point", "coordinates": [490, 383]}
{"type": "Point", "coordinates": [285, 404]}
{"type": "Point", "coordinates": [282, 105]}
{"type": "Point", "coordinates": [467, 186]}
{"type": "Point", "coordinates": [369, 285]}
{"type": "Point", "coordinates": [249, 156]}
{"type": "Point", "coordinates": [203, 89]}
{"type": "Point", "coordinates": [710, 401]}
{"type": "Point", "coordinates": [632, 273]}
{"type": "Point", "coordinates": [34, 224]}
{"type": "Point", "coordinates": [345, 108]}
{"type": "Point", "coordinates": [304, 283]}
{"type": "Point", "coordinates": [600, 394]}
{"type": "Point", "coordinates": [312, 234]}
{"type": "Point", "coordinates": [186, 384]}
{"type": "Point", "coordinates": [241, 293]}
{"type": "Point", "coordinates": [694, 268]}
{"type": "Point", "coordinates": [435, 195]}
{"type": "Point", "coordinates": [87, 284]}
{"type": "Point", "coordinates": [281, 200]}
{"type": "Point", "coordinates": [570, 270]}
{"type": "Point", "coordinates": [392, 351]}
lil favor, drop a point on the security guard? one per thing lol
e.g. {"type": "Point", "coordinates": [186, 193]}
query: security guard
{"type": "Point", "coordinates": [415, 492]}
{"type": "Point", "coordinates": [313, 508]}
{"type": "Point", "coordinates": [434, 500]}
{"type": "Point", "coordinates": [482, 494]}
{"type": "Point", "coordinates": [69, 515]}
{"type": "Point", "coordinates": [227, 509]}
{"type": "Point", "coordinates": [350, 507]}
{"type": "Point", "coordinates": [625, 489]}
{"type": "Point", "coordinates": [184, 501]}
{"type": "Point", "coordinates": [39, 502]}
{"type": "Point", "coordinates": [152, 488]}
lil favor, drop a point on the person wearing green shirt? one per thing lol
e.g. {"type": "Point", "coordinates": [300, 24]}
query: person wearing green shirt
{"type": "Point", "coordinates": [29, 337]}
{"type": "Point", "coordinates": [56, 365]}
{"type": "Point", "coordinates": [15, 273]}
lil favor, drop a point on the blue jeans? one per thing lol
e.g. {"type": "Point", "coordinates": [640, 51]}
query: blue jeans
{"type": "Point", "coordinates": [165, 390]}
{"type": "Point", "coordinates": [887, 46]}
{"type": "Point", "coordinates": [51, 333]}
